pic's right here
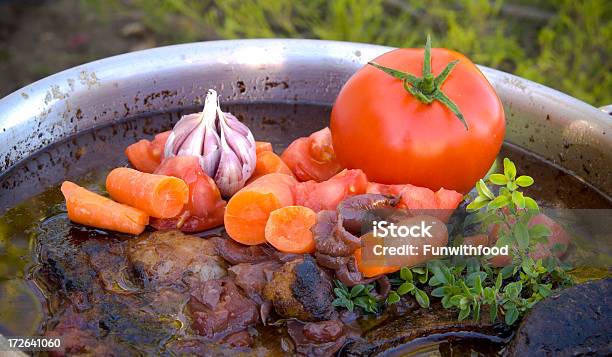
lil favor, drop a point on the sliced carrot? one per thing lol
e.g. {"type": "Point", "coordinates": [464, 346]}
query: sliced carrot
{"type": "Point", "coordinates": [248, 210]}
{"type": "Point", "coordinates": [371, 271]}
{"type": "Point", "coordinates": [158, 195]}
{"type": "Point", "coordinates": [268, 163]}
{"type": "Point", "coordinates": [288, 229]}
{"type": "Point", "coordinates": [261, 146]}
{"type": "Point", "coordinates": [146, 155]}
{"type": "Point", "coordinates": [93, 210]}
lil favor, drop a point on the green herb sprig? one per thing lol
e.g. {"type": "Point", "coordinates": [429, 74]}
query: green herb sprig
{"type": "Point", "coordinates": [359, 295]}
{"type": "Point", "coordinates": [511, 209]}
{"type": "Point", "coordinates": [407, 281]}
{"type": "Point", "coordinates": [471, 285]}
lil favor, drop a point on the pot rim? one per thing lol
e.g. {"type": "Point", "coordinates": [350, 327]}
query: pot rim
{"type": "Point", "coordinates": [42, 113]}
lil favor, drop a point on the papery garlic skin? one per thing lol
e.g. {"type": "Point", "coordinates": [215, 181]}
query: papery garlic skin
{"type": "Point", "coordinates": [225, 146]}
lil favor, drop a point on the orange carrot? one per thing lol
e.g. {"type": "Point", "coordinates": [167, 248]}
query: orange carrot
{"type": "Point", "coordinates": [373, 270]}
{"type": "Point", "coordinates": [157, 195]}
{"type": "Point", "coordinates": [90, 209]}
{"type": "Point", "coordinates": [261, 146]}
{"type": "Point", "coordinates": [248, 210]}
{"type": "Point", "coordinates": [288, 229]}
{"type": "Point", "coordinates": [267, 163]}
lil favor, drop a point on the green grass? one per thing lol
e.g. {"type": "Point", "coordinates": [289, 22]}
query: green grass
{"type": "Point", "coordinates": [564, 44]}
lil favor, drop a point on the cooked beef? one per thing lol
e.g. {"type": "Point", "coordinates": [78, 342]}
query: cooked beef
{"type": "Point", "coordinates": [238, 339]}
{"type": "Point", "coordinates": [324, 331]}
{"type": "Point", "coordinates": [354, 210]}
{"type": "Point", "coordinates": [253, 277]}
{"type": "Point", "coordinates": [66, 252]}
{"type": "Point", "coordinates": [330, 236]}
{"type": "Point", "coordinates": [327, 261]}
{"type": "Point", "coordinates": [384, 287]}
{"type": "Point", "coordinates": [119, 324]}
{"type": "Point", "coordinates": [572, 322]}
{"type": "Point", "coordinates": [404, 330]}
{"type": "Point", "coordinates": [218, 308]}
{"type": "Point", "coordinates": [166, 257]}
{"type": "Point", "coordinates": [301, 290]}
{"type": "Point", "coordinates": [236, 253]}
{"type": "Point", "coordinates": [323, 338]}
{"type": "Point", "coordinates": [77, 336]}
{"type": "Point", "coordinates": [286, 257]}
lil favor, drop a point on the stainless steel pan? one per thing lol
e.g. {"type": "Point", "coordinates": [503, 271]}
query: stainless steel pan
{"type": "Point", "coordinates": [563, 130]}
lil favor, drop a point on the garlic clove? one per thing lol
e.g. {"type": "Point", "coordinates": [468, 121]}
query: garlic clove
{"type": "Point", "coordinates": [225, 146]}
{"type": "Point", "coordinates": [182, 129]}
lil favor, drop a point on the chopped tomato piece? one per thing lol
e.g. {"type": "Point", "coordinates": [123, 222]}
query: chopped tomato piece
{"type": "Point", "coordinates": [205, 208]}
{"type": "Point", "coordinates": [328, 194]}
{"type": "Point", "coordinates": [441, 203]}
{"type": "Point", "coordinates": [312, 158]}
{"type": "Point", "coordinates": [146, 155]}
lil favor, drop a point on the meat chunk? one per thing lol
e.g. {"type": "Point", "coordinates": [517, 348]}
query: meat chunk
{"type": "Point", "coordinates": [404, 332]}
{"type": "Point", "coordinates": [330, 236]}
{"type": "Point", "coordinates": [252, 278]}
{"type": "Point", "coordinates": [236, 253]}
{"type": "Point", "coordinates": [218, 308]}
{"type": "Point", "coordinates": [573, 322]}
{"type": "Point", "coordinates": [323, 338]}
{"type": "Point", "coordinates": [301, 290]}
{"type": "Point", "coordinates": [166, 257]}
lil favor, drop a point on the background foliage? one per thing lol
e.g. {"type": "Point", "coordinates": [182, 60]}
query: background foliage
{"type": "Point", "coordinates": [562, 43]}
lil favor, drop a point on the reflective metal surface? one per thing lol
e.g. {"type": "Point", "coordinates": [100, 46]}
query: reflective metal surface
{"type": "Point", "coordinates": [559, 128]}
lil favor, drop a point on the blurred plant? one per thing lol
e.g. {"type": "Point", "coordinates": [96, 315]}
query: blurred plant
{"type": "Point", "coordinates": [575, 51]}
{"type": "Point", "coordinates": [571, 53]}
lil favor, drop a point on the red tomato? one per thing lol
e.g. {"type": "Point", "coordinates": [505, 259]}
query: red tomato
{"type": "Point", "coordinates": [146, 155]}
{"type": "Point", "coordinates": [205, 208]}
{"type": "Point", "coordinates": [312, 158]}
{"type": "Point", "coordinates": [559, 237]}
{"type": "Point", "coordinates": [328, 194]}
{"type": "Point", "coordinates": [440, 204]}
{"type": "Point", "coordinates": [378, 126]}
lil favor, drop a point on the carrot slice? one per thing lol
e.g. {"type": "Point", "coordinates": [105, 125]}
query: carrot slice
{"type": "Point", "coordinates": [267, 163]}
{"type": "Point", "coordinates": [248, 210]}
{"type": "Point", "coordinates": [93, 210]}
{"type": "Point", "coordinates": [288, 229]}
{"type": "Point", "coordinates": [261, 146]}
{"type": "Point", "coordinates": [157, 195]}
{"type": "Point", "coordinates": [372, 271]}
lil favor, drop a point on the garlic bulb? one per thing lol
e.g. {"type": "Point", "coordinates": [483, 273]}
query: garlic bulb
{"type": "Point", "coordinates": [225, 146]}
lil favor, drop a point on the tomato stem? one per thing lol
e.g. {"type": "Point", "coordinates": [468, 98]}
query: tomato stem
{"type": "Point", "coordinates": [428, 87]}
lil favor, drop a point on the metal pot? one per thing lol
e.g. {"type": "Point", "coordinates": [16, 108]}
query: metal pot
{"type": "Point", "coordinates": [562, 130]}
